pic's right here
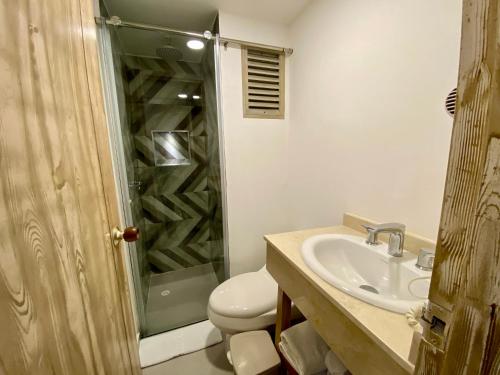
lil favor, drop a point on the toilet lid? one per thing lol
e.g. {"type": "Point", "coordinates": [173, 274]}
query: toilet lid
{"type": "Point", "coordinates": [245, 296]}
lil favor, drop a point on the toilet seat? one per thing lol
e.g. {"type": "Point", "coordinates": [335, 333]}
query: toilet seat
{"type": "Point", "coordinates": [245, 296]}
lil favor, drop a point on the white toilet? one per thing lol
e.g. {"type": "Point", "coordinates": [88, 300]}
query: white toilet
{"type": "Point", "coordinates": [246, 302]}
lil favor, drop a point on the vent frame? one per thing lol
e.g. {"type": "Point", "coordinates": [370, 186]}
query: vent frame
{"type": "Point", "coordinates": [263, 73]}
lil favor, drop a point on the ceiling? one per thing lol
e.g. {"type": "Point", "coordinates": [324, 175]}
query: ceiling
{"type": "Point", "coordinates": [199, 15]}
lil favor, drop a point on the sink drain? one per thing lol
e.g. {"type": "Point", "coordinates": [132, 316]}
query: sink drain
{"type": "Point", "coordinates": [369, 288]}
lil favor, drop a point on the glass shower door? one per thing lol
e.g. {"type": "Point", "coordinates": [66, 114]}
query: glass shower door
{"type": "Point", "coordinates": [167, 104]}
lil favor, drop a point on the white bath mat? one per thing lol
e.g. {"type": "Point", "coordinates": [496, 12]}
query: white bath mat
{"type": "Point", "coordinates": [165, 346]}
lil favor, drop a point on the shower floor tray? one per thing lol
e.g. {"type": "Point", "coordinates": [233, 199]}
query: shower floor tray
{"type": "Point", "coordinates": [179, 298]}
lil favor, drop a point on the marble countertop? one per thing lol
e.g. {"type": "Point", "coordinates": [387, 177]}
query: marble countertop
{"type": "Point", "coordinates": [388, 329]}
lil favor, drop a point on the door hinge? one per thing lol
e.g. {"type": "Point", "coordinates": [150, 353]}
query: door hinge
{"type": "Point", "coordinates": [434, 322]}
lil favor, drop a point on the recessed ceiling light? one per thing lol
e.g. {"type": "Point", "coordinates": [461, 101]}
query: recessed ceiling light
{"type": "Point", "coordinates": [182, 96]}
{"type": "Point", "coordinates": [195, 44]}
{"type": "Point", "coordinates": [196, 97]}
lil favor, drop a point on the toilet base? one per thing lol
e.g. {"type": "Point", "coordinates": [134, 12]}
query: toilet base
{"type": "Point", "coordinates": [227, 347]}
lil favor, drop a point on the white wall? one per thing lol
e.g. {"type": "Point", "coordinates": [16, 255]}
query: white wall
{"type": "Point", "coordinates": [256, 153]}
{"type": "Point", "coordinates": [369, 133]}
{"type": "Point", "coordinates": [365, 129]}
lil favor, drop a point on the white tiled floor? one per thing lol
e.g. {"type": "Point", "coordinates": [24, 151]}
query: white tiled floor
{"type": "Point", "coordinates": [209, 361]}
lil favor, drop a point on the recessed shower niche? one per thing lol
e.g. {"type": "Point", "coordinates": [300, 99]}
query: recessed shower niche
{"type": "Point", "coordinates": [171, 147]}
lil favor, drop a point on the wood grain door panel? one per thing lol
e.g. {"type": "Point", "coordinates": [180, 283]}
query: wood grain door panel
{"type": "Point", "coordinates": [63, 297]}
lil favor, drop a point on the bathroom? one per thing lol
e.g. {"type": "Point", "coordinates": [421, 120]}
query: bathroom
{"type": "Point", "coordinates": [266, 187]}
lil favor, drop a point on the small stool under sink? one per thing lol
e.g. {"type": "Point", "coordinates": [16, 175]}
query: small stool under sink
{"type": "Point", "coordinates": [253, 353]}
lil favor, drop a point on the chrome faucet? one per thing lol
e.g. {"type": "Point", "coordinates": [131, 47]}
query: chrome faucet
{"type": "Point", "coordinates": [396, 237]}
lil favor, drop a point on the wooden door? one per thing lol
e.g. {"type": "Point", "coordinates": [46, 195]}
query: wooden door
{"type": "Point", "coordinates": [64, 306]}
{"type": "Point", "coordinates": [463, 331]}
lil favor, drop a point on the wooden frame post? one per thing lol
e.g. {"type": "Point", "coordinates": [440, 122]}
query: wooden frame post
{"type": "Point", "coordinates": [283, 316]}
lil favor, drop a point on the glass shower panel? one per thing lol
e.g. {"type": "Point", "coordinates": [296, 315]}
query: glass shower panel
{"type": "Point", "coordinates": [171, 151]}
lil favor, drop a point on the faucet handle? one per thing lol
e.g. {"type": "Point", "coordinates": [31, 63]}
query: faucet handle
{"type": "Point", "coordinates": [372, 234]}
{"type": "Point", "coordinates": [425, 259]}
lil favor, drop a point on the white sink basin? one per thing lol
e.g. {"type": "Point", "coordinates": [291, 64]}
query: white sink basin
{"type": "Point", "coordinates": [367, 272]}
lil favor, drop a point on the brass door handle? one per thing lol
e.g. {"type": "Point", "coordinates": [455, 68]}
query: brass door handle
{"type": "Point", "coordinates": [129, 234]}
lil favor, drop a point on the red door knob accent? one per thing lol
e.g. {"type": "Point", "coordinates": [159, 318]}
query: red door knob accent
{"type": "Point", "coordinates": [131, 234]}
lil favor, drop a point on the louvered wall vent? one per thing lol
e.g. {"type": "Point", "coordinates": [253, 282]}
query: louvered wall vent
{"type": "Point", "coordinates": [451, 102]}
{"type": "Point", "coordinates": [263, 83]}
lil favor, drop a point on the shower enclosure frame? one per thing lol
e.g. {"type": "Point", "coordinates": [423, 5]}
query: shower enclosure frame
{"type": "Point", "coordinates": [119, 166]}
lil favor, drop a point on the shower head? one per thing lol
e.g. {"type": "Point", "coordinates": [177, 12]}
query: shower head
{"type": "Point", "coordinates": [168, 52]}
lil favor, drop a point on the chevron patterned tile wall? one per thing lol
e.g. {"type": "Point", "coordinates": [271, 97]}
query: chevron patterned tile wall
{"type": "Point", "coordinates": [178, 206]}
